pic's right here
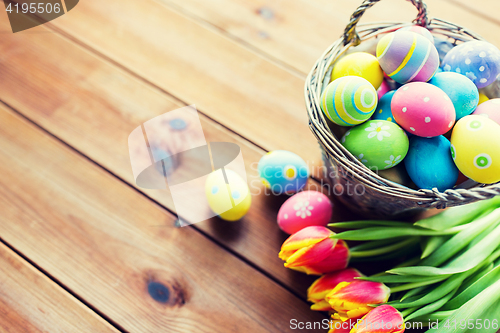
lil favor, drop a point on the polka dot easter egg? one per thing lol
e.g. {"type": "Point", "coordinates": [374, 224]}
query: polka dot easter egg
{"type": "Point", "coordinates": [406, 56]}
{"type": "Point", "coordinates": [489, 109]}
{"type": "Point", "coordinates": [378, 144]}
{"type": "Point", "coordinates": [478, 60]}
{"type": "Point", "coordinates": [232, 200]}
{"type": "Point", "coordinates": [360, 64]}
{"type": "Point", "coordinates": [429, 163]}
{"type": "Point", "coordinates": [475, 148]}
{"type": "Point", "coordinates": [423, 109]}
{"type": "Point", "coordinates": [349, 100]}
{"type": "Point", "coordinates": [461, 90]}
{"type": "Point", "coordinates": [419, 30]}
{"type": "Point", "coordinates": [383, 111]}
{"type": "Point", "coordinates": [283, 172]}
{"type": "Point", "coordinates": [304, 209]}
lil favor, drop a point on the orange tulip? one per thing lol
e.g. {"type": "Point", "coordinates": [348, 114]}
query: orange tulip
{"type": "Point", "coordinates": [325, 284]}
{"type": "Point", "coordinates": [352, 299]}
{"type": "Point", "coordinates": [313, 251]}
{"type": "Point", "coordinates": [382, 319]}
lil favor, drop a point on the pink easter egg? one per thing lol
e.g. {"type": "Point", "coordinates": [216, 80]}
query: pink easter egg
{"type": "Point", "coordinates": [489, 109]}
{"type": "Point", "coordinates": [383, 89]}
{"type": "Point", "coordinates": [304, 209]}
{"type": "Point", "coordinates": [423, 109]}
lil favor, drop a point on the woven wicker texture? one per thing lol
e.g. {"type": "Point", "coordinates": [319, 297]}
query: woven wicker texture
{"type": "Point", "coordinates": [380, 197]}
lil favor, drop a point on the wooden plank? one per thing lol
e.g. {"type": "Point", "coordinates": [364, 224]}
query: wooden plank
{"type": "Point", "coordinates": [31, 302]}
{"type": "Point", "coordinates": [296, 32]}
{"type": "Point", "coordinates": [121, 253]}
{"type": "Point", "coordinates": [93, 106]}
{"type": "Point", "coordinates": [239, 89]}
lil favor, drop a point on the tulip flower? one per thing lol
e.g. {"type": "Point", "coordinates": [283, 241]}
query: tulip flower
{"type": "Point", "coordinates": [312, 250]}
{"type": "Point", "coordinates": [382, 319]}
{"type": "Point", "coordinates": [325, 284]}
{"type": "Point", "coordinates": [352, 299]}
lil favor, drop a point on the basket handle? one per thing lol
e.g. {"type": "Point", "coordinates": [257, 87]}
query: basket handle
{"type": "Point", "coordinates": [350, 33]}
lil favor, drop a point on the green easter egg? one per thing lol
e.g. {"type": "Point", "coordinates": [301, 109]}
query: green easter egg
{"type": "Point", "coordinates": [378, 144]}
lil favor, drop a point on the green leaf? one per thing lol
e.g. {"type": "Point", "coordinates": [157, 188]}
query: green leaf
{"type": "Point", "coordinates": [416, 285]}
{"type": "Point", "coordinates": [458, 215]}
{"type": "Point", "coordinates": [431, 244]}
{"type": "Point", "coordinates": [385, 249]}
{"type": "Point", "coordinates": [368, 223]}
{"type": "Point", "coordinates": [461, 240]}
{"type": "Point", "coordinates": [465, 261]}
{"type": "Point", "coordinates": [473, 290]}
{"type": "Point", "coordinates": [402, 278]}
{"type": "Point", "coordinates": [437, 315]}
{"type": "Point", "coordinates": [413, 292]}
{"type": "Point", "coordinates": [432, 306]}
{"type": "Point", "coordinates": [485, 305]}
{"type": "Point", "coordinates": [377, 233]}
{"type": "Point", "coordinates": [376, 244]}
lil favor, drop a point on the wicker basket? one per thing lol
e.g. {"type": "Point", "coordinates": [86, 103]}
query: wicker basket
{"type": "Point", "coordinates": [379, 196]}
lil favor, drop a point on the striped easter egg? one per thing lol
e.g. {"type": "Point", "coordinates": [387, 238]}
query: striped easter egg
{"type": "Point", "coordinates": [407, 56]}
{"type": "Point", "coordinates": [349, 100]}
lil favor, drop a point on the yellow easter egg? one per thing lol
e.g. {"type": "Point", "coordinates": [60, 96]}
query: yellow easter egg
{"type": "Point", "coordinates": [482, 98]}
{"type": "Point", "coordinates": [475, 148]}
{"type": "Point", "coordinates": [360, 64]}
{"type": "Point", "coordinates": [232, 200]}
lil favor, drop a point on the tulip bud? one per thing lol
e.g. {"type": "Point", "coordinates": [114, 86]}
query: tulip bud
{"type": "Point", "coordinates": [352, 299]}
{"type": "Point", "coordinates": [382, 319]}
{"type": "Point", "coordinates": [325, 284]}
{"type": "Point", "coordinates": [313, 251]}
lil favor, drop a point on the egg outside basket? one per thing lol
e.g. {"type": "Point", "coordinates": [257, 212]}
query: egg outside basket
{"type": "Point", "coordinates": [370, 193]}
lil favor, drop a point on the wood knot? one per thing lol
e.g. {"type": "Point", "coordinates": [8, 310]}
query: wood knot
{"type": "Point", "coordinates": [170, 294]}
{"type": "Point", "coordinates": [159, 292]}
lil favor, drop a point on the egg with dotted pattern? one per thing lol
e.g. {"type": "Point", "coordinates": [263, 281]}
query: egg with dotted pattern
{"type": "Point", "coordinates": [407, 56]}
{"type": "Point", "coordinates": [478, 60]}
{"type": "Point", "coordinates": [489, 109]}
{"type": "Point", "coordinates": [419, 30]}
{"type": "Point", "coordinates": [383, 111]}
{"type": "Point", "coordinates": [378, 144]}
{"type": "Point", "coordinates": [475, 148]}
{"type": "Point", "coordinates": [423, 109]}
{"type": "Point", "coordinates": [304, 209]}
{"type": "Point", "coordinates": [349, 100]}
{"type": "Point", "coordinates": [282, 171]}
{"type": "Point", "coordinates": [461, 90]}
{"type": "Point", "coordinates": [231, 200]}
{"type": "Point", "coordinates": [360, 64]}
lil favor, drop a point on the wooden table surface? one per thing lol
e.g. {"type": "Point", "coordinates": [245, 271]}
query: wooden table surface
{"type": "Point", "coordinates": [83, 249]}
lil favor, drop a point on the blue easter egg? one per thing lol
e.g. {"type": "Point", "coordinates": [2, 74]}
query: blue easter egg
{"type": "Point", "coordinates": [429, 163]}
{"type": "Point", "coordinates": [283, 171]}
{"type": "Point", "coordinates": [383, 111]}
{"type": "Point", "coordinates": [478, 60]}
{"type": "Point", "coordinates": [460, 89]}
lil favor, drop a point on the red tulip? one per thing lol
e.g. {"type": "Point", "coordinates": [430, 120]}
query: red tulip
{"type": "Point", "coordinates": [382, 319]}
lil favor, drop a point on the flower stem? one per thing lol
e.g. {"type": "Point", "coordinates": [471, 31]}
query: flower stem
{"type": "Point", "coordinates": [384, 250]}
{"type": "Point", "coordinates": [413, 285]}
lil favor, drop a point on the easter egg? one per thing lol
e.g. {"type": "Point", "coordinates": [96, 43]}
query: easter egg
{"type": "Point", "coordinates": [478, 60]}
{"type": "Point", "coordinates": [429, 163]}
{"type": "Point", "coordinates": [383, 111]}
{"type": "Point", "coordinates": [460, 89]}
{"type": "Point", "coordinates": [406, 56]}
{"type": "Point", "coordinates": [383, 89]}
{"type": "Point", "coordinates": [304, 209]}
{"type": "Point", "coordinates": [489, 109]}
{"type": "Point", "coordinates": [475, 148]}
{"type": "Point", "coordinates": [378, 144]}
{"type": "Point", "coordinates": [232, 200]}
{"type": "Point", "coordinates": [423, 109]}
{"type": "Point", "coordinates": [349, 100]}
{"type": "Point", "coordinates": [419, 30]}
{"type": "Point", "coordinates": [360, 64]}
{"type": "Point", "coordinates": [283, 171]}
{"type": "Point", "coordinates": [482, 98]}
